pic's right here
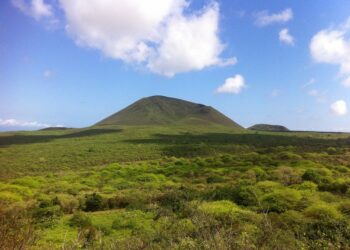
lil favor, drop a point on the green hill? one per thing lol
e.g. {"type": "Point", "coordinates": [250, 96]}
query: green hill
{"type": "Point", "coordinates": [161, 110]}
{"type": "Point", "coordinates": [268, 127]}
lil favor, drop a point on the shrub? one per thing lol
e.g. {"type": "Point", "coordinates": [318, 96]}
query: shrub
{"type": "Point", "coordinates": [93, 202]}
{"type": "Point", "coordinates": [326, 226]}
{"type": "Point", "coordinates": [260, 173]}
{"type": "Point", "coordinates": [175, 200]}
{"type": "Point", "coordinates": [344, 207]}
{"type": "Point", "coordinates": [289, 156]}
{"type": "Point", "coordinates": [323, 213]}
{"type": "Point", "coordinates": [331, 151]}
{"type": "Point", "coordinates": [287, 176]}
{"type": "Point", "coordinates": [226, 211]}
{"type": "Point", "coordinates": [67, 203]}
{"type": "Point", "coordinates": [118, 201]}
{"type": "Point", "coordinates": [281, 200]}
{"type": "Point", "coordinates": [338, 186]}
{"type": "Point", "coordinates": [319, 177]}
{"type": "Point", "coordinates": [16, 228]}
{"type": "Point", "coordinates": [246, 195]}
{"type": "Point", "coordinates": [268, 186]}
{"type": "Point", "coordinates": [27, 182]}
{"type": "Point", "coordinates": [80, 220]}
{"type": "Point", "coordinates": [46, 215]}
{"type": "Point", "coordinates": [7, 198]}
{"type": "Point", "coordinates": [307, 186]}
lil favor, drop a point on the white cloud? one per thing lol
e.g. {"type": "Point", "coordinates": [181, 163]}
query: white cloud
{"type": "Point", "coordinates": [232, 85]}
{"type": "Point", "coordinates": [339, 108]}
{"type": "Point", "coordinates": [154, 33]}
{"type": "Point", "coordinates": [263, 18]}
{"type": "Point", "coordinates": [286, 37]}
{"type": "Point", "coordinates": [35, 8]}
{"type": "Point", "coordinates": [19, 123]}
{"type": "Point", "coordinates": [332, 46]}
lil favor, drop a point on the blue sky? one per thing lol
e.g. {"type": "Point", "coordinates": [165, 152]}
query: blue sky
{"type": "Point", "coordinates": [278, 62]}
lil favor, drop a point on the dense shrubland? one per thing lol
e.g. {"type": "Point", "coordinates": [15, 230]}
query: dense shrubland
{"type": "Point", "coordinates": [276, 197]}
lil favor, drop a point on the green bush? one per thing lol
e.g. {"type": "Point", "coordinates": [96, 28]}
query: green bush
{"type": "Point", "coordinates": [287, 176]}
{"type": "Point", "coordinates": [7, 198]}
{"type": "Point", "coordinates": [93, 202]}
{"type": "Point", "coordinates": [246, 195]}
{"type": "Point", "coordinates": [323, 213]}
{"type": "Point", "coordinates": [80, 220]}
{"type": "Point", "coordinates": [281, 200]}
{"type": "Point", "coordinates": [320, 177]}
{"type": "Point", "coordinates": [344, 207]}
{"type": "Point", "coordinates": [46, 216]}
{"type": "Point", "coordinates": [68, 203]}
{"type": "Point", "coordinates": [260, 173]}
{"type": "Point", "coordinates": [307, 186]}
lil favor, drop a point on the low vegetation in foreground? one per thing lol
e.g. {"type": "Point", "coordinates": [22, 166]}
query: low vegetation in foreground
{"type": "Point", "coordinates": [175, 190]}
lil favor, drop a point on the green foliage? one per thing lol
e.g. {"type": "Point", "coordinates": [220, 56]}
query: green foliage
{"type": "Point", "coordinates": [202, 189]}
{"type": "Point", "coordinates": [288, 176]}
{"type": "Point", "coordinates": [93, 202]}
{"type": "Point", "coordinates": [281, 200]}
{"type": "Point", "coordinates": [80, 219]}
{"type": "Point", "coordinates": [7, 198]}
{"type": "Point", "coordinates": [323, 213]}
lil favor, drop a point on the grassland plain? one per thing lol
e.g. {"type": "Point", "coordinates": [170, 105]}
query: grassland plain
{"type": "Point", "coordinates": [174, 187]}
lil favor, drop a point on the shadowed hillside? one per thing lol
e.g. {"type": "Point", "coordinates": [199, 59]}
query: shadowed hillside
{"type": "Point", "coordinates": [161, 110]}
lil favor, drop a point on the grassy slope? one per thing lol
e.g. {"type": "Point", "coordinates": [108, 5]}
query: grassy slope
{"type": "Point", "coordinates": [160, 110]}
{"type": "Point", "coordinates": [42, 151]}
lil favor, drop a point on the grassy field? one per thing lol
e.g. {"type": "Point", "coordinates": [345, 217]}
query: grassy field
{"type": "Point", "coordinates": [174, 188]}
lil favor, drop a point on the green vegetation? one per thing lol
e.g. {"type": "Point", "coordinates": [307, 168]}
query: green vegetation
{"type": "Point", "coordinates": [175, 187]}
{"type": "Point", "coordinates": [162, 110]}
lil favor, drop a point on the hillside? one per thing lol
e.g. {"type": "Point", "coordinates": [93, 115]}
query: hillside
{"type": "Point", "coordinates": [161, 110]}
{"type": "Point", "coordinates": [268, 127]}
{"type": "Point", "coordinates": [53, 128]}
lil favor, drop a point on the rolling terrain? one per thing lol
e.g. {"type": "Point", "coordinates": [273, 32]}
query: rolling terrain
{"type": "Point", "coordinates": [169, 174]}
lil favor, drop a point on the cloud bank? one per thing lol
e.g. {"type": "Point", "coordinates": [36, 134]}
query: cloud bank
{"type": "Point", "coordinates": [159, 34]}
{"type": "Point", "coordinates": [19, 123]}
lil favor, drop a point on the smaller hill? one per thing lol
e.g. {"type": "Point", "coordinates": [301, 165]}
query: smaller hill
{"type": "Point", "coordinates": [268, 127]}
